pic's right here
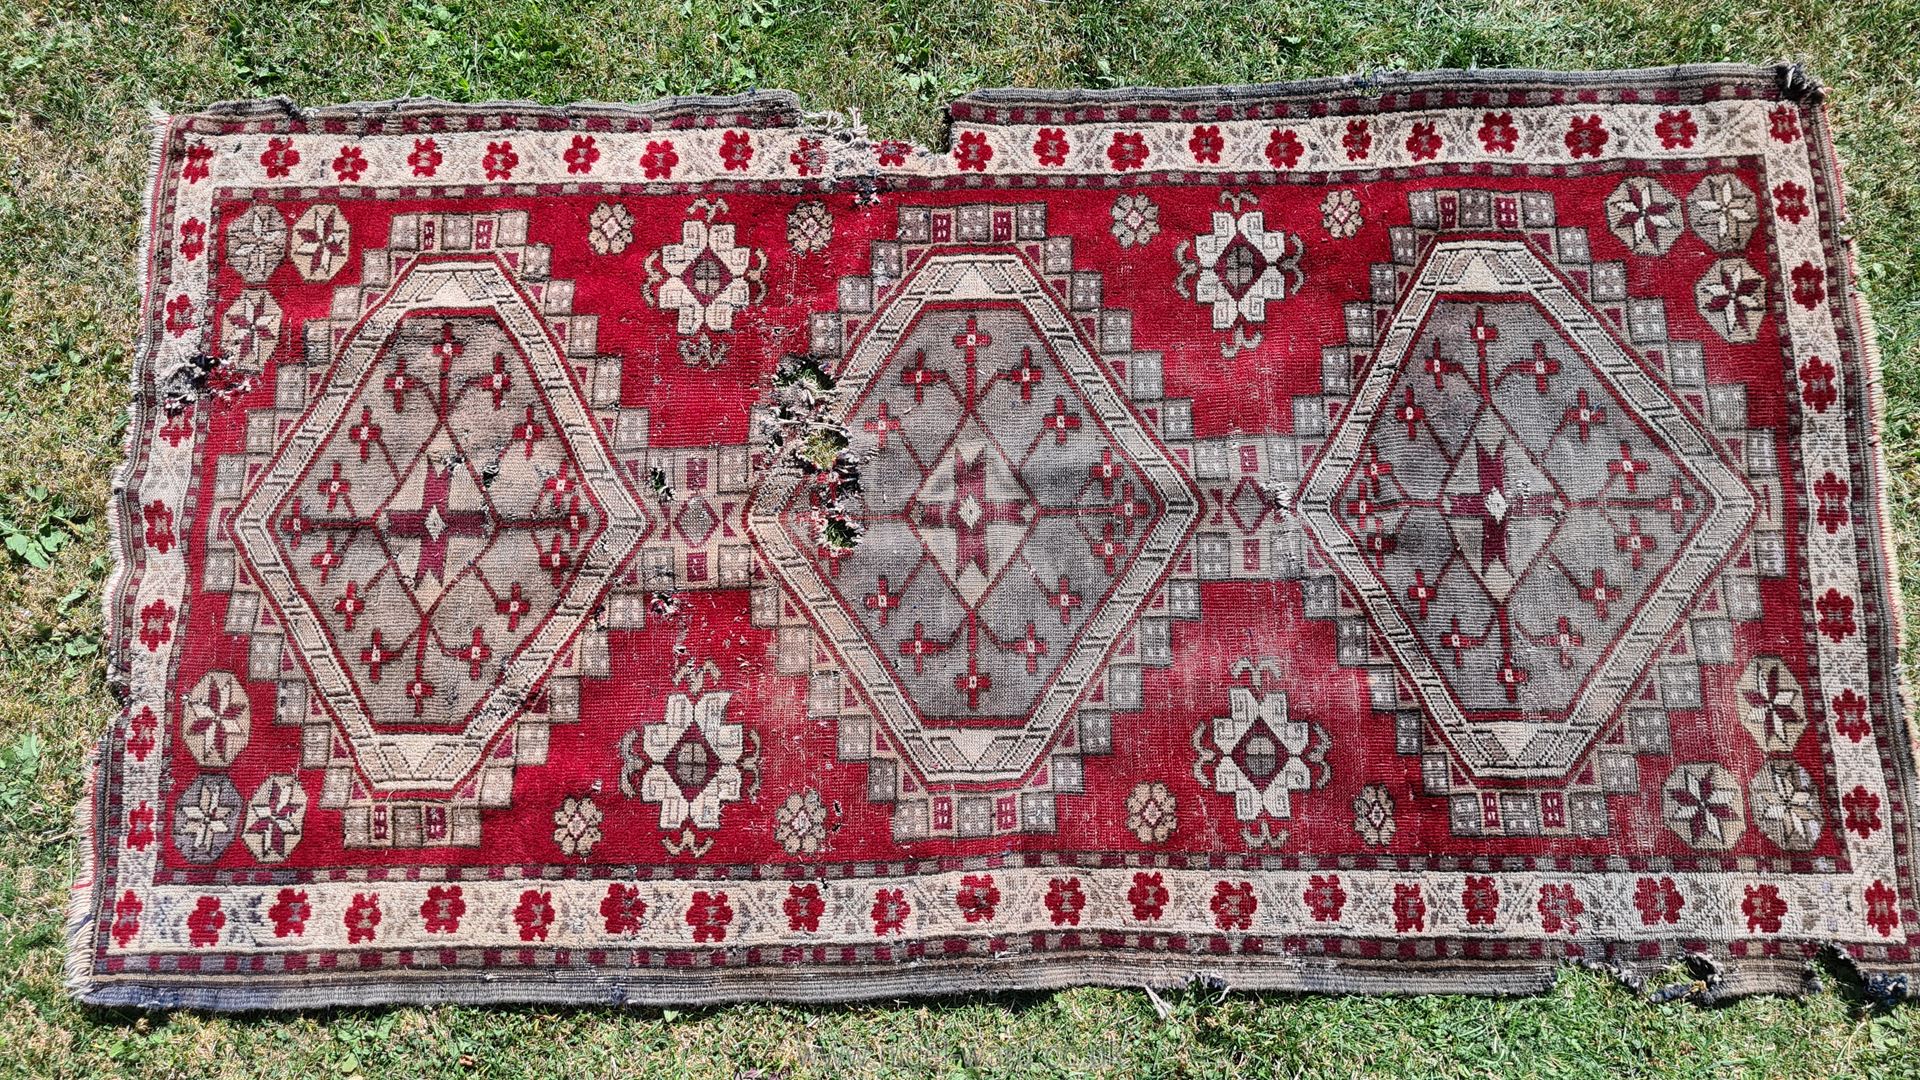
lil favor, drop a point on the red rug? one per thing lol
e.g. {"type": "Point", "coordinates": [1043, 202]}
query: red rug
{"type": "Point", "coordinates": [1390, 535]}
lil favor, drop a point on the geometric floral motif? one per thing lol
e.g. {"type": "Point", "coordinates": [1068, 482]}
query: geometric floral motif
{"type": "Point", "coordinates": [1265, 755]}
{"type": "Point", "coordinates": [1644, 215]}
{"type": "Point", "coordinates": [693, 762]}
{"type": "Point", "coordinates": [275, 815]}
{"type": "Point", "coordinates": [705, 278]}
{"type": "Point", "coordinates": [1786, 804]}
{"type": "Point", "coordinates": [1771, 705]}
{"type": "Point", "coordinates": [1702, 803]}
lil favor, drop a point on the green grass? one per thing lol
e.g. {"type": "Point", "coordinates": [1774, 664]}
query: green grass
{"type": "Point", "coordinates": [75, 82]}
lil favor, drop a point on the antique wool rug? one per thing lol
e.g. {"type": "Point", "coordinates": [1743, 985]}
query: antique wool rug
{"type": "Point", "coordinates": [1403, 534]}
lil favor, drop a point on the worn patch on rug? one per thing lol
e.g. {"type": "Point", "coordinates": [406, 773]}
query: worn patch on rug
{"type": "Point", "coordinates": [1401, 534]}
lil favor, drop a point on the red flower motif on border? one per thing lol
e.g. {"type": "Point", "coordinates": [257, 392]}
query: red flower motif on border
{"type": "Point", "coordinates": [622, 909]}
{"type": "Point", "coordinates": [1050, 146]}
{"type": "Point", "coordinates": [140, 733]}
{"type": "Point", "coordinates": [972, 151]}
{"type": "Point", "coordinates": [180, 316]}
{"type": "Point", "coordinates": [1206, 144]}
{"type": "Point", "coordinates": [1148, 896]}
{"type": "Point", "coordinates": [193, 238]}
{"type": "Point", "coordinates": [808, 159]}
{"type": "Point", "coordinates": [1675, 129]}
{"type": "Point", "coordinates": [1586, 136]}
{"type": "Point", "coordinates": [140, 826]}
{"type": "Point", "coordinates": [1481, 900]}
{"type": "Point", "coordinates": [1831, 493]}
{"type": "Point", "coordinates": [279, 158]}
{"type": "Point", "coordinates": [1763, 908]}
{"type": "Point", "coordinates": [892, 152]}
{"type": "Point", "coordinates": [1358, 140]}
{"type": "Point", "coordinates": [890, 911]}
{"type": "Point", "coordinates": [1659, 900]}
{"type": "Point", "coordinates": [156, 624]}
{"type": "Point", "coordinates": [581, 156]}
{"type": "Point", "coordinates": [1064, 901]}
{"type": "Point", "coordinates": [1790, 201]}
{"type": "Point", "coordinates": [1883, 907]}
{"type": "Point", "coordinates": [1424, 142]}
{"type": "Point", "coordinates": [1233, 905]}
{"type": "Point", "coordinates": [205, 923]}
{"type": "Point", "coordinates": [178, 427]}
{"type": "Point", "coordinates": [443, 908]}
{"type": "Point", "coordinates": [736, 150]}
{"type": "Point", "coordinates": [659, 159]}
{"type": "Point", "coordinates": [159, 521]}
{"type": "Point", "coordinates": [1836, 615]}
{"type": "Point", "coordinates": [1128, 150]}
{"type": "Point", "coordinates": [977, 897]}
{"type": "Point", "coordinates": [126, 917]}
{"type": "Point", "coordinates": [1816, 384]}
{"type": "Point", "coordinates": [350, 165]}
{"type": "Point", "coordinates": [1497, 133]}
{"type": "Point", "coordinates": [1851, 710]}
{"type": "Point", "coordinates": [1783, 123]}
{"type": "Point", "coordinates": [534, 913]}
{"type": "Point", "coordinates": [1862, 810]}
{"type": "Point", "coordinates": [1324, 897]}
{"type": "Point", "coordinates": [289, 913]}
{"type": "Point", "coordinates": [1409, 908]}
{"type": "Point", "coordinates": [1560, 909]}
{"type": "Point", "coordinates": [499, 161]}
{"type": "Point", "coordinates": [1808, 285]}
{"type": "Point", "coordinates": [362, 917]}
{"type": "Point", "coordinates": [709, 914]}
{"type": "Point", "coordinates": [426, 157]}
{"type": "Point", "coordinates": [1284, 148]}
{"type": "Point", "coordinates": [195, 168]}
{"type": "Point", "coordinates": [804, 906]}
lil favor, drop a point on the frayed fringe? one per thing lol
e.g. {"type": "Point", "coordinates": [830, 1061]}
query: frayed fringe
{"type": "Point", "coordinates": [77, 970]}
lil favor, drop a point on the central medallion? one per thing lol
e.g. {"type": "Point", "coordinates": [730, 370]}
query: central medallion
{"type": "Point", "coordinates": [1014, 515]}
{"type": "Point", "coordinates": [973, 513]}
{"type": "Point", "coordinates": [1524, 513]}
{"type": "Point", "coordinates": [438, 527]}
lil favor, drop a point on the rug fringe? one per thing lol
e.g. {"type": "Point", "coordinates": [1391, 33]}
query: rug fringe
{"type": "Point", "coordinates": [77, 968]}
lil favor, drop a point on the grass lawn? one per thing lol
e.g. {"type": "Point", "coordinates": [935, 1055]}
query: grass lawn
{"type": "Point", "coordinates": [75, 83]}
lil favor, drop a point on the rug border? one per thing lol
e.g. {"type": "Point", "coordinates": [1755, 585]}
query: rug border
{"type": "Point", "coordinates": [958, 978]}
